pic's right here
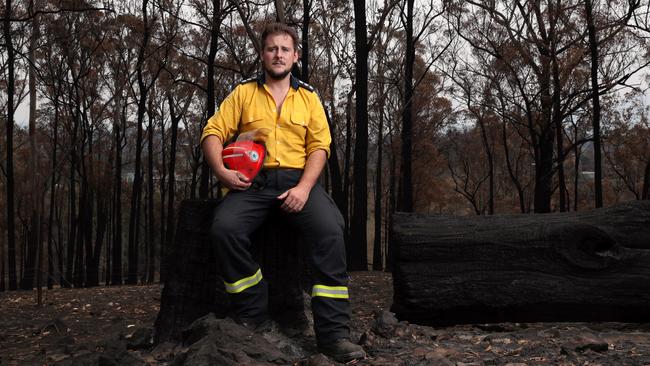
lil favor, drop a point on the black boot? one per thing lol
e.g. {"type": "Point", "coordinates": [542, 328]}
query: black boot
{"type": "Point", "coordinates": [342, 350]}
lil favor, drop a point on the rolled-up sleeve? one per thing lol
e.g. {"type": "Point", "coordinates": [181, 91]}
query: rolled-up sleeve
{"type": "Point", "coordinates": [225, 121]}
{"type": "Point", "coordinates": [318, 131]}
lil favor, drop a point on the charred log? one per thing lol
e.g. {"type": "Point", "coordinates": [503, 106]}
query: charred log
{"type": "Point", "coordinates": [584, 266]}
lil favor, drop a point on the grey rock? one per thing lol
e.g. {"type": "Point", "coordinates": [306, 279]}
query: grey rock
{"type": "Point", "coordinates": [142, 338]}
{"type": "Point", "coordinates": [385, 324]}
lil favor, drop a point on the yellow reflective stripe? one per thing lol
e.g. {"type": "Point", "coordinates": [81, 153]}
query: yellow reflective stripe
{"type": "Point", "coordinates": [244, 283]}
{"type": "Point", "coordinates": [336, 292]}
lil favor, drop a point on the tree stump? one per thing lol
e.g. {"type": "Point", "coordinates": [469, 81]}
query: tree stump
{"type": "Point", "coordinates": [579, 266]}
{"type": "Point", "coordinates": [194, 288]}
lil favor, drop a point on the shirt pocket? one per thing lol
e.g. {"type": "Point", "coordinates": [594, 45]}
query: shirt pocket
{"type": "Point", "coordinates": [298, 127]}
{"type": "Point", "coordinates": [251, 121]}
{"type": "Point", "coordinates": [299, 118]}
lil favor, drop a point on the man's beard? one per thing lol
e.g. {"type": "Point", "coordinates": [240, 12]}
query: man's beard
{"type": "Point", "coordinates": [277, 75]}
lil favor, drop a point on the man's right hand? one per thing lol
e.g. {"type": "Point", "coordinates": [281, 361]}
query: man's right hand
{"type": "Point", "coordinates": [233, 179]}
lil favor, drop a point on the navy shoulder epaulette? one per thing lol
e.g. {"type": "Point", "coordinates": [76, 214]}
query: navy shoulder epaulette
{"type": "Point", "coordinates": [306, 86]}
{"type": "Point", "coordinates": [246, 81]}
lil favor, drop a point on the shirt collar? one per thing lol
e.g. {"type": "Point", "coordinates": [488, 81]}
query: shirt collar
{"type": "Point", "coordinates": [293, 81]}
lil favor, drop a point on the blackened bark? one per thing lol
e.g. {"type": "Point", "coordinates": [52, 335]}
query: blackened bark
{"type": "Point", "coordinates": [645, 193]}
{"type": "Point", "coordinates": [573, 266]}
{"type": "Point", "coordinates": [490, 158]}
{"type": "Point", "coordinates": [544, 173]}
{"type": "Point", "coordinates": [94, 257]}
{"type": "Point", "coordinates": [72, 205]}
{"type": "Point", "coordinates": [544, 132]}
{"type": "Point", "coordinates": [215, 31]}
{"type": "Point", "coordinates": [335, 171]}
{"type": "Point", "coordinates": [346, 202]}
{"type": "Point", "coordinates": [576, 168]}
{"type": "Point", "coordinates": [193, 287]}
{"type": "Point", "coordinates": [306, 19]}
{"type": "Point", "coordinates": [595, 102]}
{"type": "Point", "coordinates": [557, 106]}
{"type": "Point", "coordinates": [53, 201]}
{"type": "Point", "coordinates": [34, 236]}
{"type": "Point", "coordinates": [405, 202]}
{"type": "Point", "coordinates": [134, 216]}
{"type": "Point", "coordinates": [392, 204]}
{"type": "Point", "coordinates": [29, 264]}
{"type": "Point", "coordinates": [377, 257]}
{"type": "Point", "coordinates": [358, 237]}
{"type": "Point", "coordinates": [10, 186]}
{"type": "Point", "coordinates": [119, 122]}
{"type": "Point", "coordinates": [151, 246]}
{"type": "Point", "coordinates": [169, 235]}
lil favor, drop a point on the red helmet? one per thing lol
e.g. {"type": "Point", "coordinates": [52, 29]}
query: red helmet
{"type": "Point", "coordinates": [246, 157]}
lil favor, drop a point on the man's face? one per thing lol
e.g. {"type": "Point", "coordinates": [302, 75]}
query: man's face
{"type": "Point", "coordinates": [278, 55]}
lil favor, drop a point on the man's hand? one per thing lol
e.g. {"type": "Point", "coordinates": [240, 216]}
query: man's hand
{"type": "Point", "coordinates": [294, 199]}
{"type": "Point", "coordinates": [233, 179]}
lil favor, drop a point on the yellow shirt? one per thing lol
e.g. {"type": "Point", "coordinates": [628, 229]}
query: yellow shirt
{"type": "Point", "coordinates": [300, 129]}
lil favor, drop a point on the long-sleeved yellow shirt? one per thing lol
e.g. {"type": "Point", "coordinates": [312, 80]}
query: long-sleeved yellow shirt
{"type": "Point", "coordinates": [298, 130]}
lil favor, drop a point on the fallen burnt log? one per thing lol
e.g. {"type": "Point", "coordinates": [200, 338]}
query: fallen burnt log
{"type": "Point", "coordinates": [194, 288]}
{"type": "Point", "coordinates": [591, 266]}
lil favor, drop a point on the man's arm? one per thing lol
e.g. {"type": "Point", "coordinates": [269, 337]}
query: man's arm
{"type": "Point", "coordinates": [212, 148]}
{"type": "Point", "coordinates": [296, 197]}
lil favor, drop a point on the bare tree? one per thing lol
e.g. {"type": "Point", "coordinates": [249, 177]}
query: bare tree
{"type": "Point", "coordinates": [9, 166]}
{"type": "Point", "coordinates": [357, 257]}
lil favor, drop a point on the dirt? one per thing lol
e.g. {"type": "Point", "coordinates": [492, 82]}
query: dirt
{"type": "Point", "coordinates": [75, 325]}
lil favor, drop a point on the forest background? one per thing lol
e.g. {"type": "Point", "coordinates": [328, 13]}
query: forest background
{"type": "Point", "coordinates": [436, 107]}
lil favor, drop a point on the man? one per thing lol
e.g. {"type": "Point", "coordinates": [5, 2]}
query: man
{"type": "Point", "coordinates": [297, 149]}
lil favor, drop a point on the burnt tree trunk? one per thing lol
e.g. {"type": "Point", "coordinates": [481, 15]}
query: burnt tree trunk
{"type": "Point", "coordinates": [194, 288]}
{"type": "Point", "coordinates": [578, 266]}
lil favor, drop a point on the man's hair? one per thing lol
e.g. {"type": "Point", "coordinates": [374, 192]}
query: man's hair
{"type": "Point", "coordinates": [275, 28]}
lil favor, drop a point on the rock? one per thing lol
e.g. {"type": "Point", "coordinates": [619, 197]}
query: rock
{"type": "Point", "coordinates": [366, 339]}
{"type": "Point", "coordinates": [440, 356]}
{"type": "Point", "coordinates": [317, 360]}
{"type": "Point", "coordinates": [204, 354]}
{"type": "Point", "coordinates": [166, 351]}
{"type": "Point", "coordinates": [498, 327]}
{"type": "Point", "coordinates": [224, 342]}
{"type": "Point", "coordinates": [142, 338]}
{"type": "Point", "coordinates": [65, 340]}
{"type": "Point", "coordinates": [56, 326]}
{"type": "Point", "coordinates": [200, 328]}
{"type": "Point", "coordinates": [57, 357]}
{"type": "Point", "coordinates": [385, 324]}
{"type": "Point", "coordinates": [592, 343]}
{"type": "Point", "coordinates": [585, 343]}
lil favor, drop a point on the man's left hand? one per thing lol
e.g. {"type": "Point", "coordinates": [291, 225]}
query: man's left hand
{"type": "Point", "coordinates": [294, 199]}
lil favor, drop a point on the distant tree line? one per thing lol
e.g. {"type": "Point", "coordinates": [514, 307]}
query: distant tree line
{"type": "Point", "coordinates": [441, 106]}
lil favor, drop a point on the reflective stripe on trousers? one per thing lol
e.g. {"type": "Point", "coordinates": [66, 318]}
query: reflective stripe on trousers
{"type": "Point", "coordinates": [244, 283]}
{"type": "Point", "coordinates": [334, 292]}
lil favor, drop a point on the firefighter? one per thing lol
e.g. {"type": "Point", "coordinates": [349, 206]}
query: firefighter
{"type": "Point", "coordinates": [297, 140]}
